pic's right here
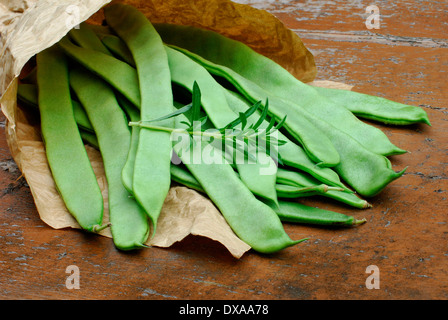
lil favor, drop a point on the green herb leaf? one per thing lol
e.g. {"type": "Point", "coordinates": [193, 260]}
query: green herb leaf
{"type": "Point", "coordinates": [187, 123]}
{"type": "Point", "coordinates": [271, 125]}
{"type": "Point", "coordinates": [196, 102]}
{"type": "Point", "coordinates": [243, 120]}
{"type": "Point", "coordinates": [280, 124]}
{"type": "Point", "coordinates": [182, 110]}
{"type": "Point", "coordinates": [262, 116]}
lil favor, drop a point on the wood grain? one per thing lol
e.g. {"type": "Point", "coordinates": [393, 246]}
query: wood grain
{"type": "Point", "coordinates": [406, 235]}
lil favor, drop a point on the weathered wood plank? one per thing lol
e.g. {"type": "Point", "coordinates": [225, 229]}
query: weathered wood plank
{"type": "Point", "coordinates": [407, 18]}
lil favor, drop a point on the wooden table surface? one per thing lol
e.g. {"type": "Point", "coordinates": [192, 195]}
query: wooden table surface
{"type": "Point", "coordinates": [406, 236]}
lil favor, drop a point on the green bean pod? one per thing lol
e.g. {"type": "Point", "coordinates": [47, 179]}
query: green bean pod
{"type": "Point", "coordinates": [302, 184]}
{"type": "Point", "coordinates": [127, 174]}
{"type": "Point", "coordinates": [285, 191]}
{"type": "Point", "coordinates": [375, 108]}
{"type": "Point", "coordinates": [113, 43]}
{"type": "Point", "coordinates": [100, 30]}
{"type": "Point", "coordinates": [151, 177]}
{"type": "Point", "coordinates": [27, 93]}
{"type": "Point", "coordinates": [182, 176]}
{"type": "Point", "coordinates": [85, 37]}
{"type": "Point", "coordinates": [117, 73]}
{"type": "Point", "coordinates": [89, 138]}
{"type": "Point", "coordinates": [118, 48]}
{"type": "Point", "coordinates": [129, 222]}
{"type": "Point", "coordinates": [67, 157]}
{"type": "Point", "coordinates": [182, 73]}
{"type": "Point", "coordinates": [295, 212]}
{"type": "Point", "coordinates": [301, 179]}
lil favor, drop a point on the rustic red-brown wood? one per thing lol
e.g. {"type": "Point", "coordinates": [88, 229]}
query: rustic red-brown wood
{"type": "Point", "coordinates": [406, 235]}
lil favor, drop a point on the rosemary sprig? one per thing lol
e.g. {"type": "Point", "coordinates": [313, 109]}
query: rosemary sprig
{"type": "Point", "coordinates": [242, 138]}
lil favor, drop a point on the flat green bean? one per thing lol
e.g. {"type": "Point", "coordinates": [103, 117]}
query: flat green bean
{"type": "Point", "coordinates": [298, 178]}
{"type": "Point", "coordinates": [117, 73]}
{"type": "Point", "coordinates": [286, 191]}
{"type": "Point", "coordinates": [296, 212]}
{"type": "Point", "coordinates": [133, 113]}
{"type": "Point", "coordinates": [67, 157]}
{"type": "Point", "coordinates": [27, 93]}
{"type": "Point", "coordinates": [100, 29]}
{"type": "Point", "coordinates": [89, 138]}
{"type": "Point", "coordinates": [322, 153]}
{"type": "Point", "coordinates": [179, 76]}
{"type": "Point", "coordinates": [118, 48]}
{"type": "Point", "coordinates": [85, 37]}
{"type": "Point", "coordinates": [151, 177]}
{"type": "Point", "coordinates": [129, 222]}
{"type": "Point", "coordinates": [181, 175]}
{"type": "Point", "coordinates": [289, 185]}
{"type": "Point", "coordinates": [113, 43]}
{"type": "Point", "coordinates": [376, 108]}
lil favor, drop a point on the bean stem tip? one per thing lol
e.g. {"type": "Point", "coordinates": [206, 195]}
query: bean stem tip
{"type": "Point", "coordinates": [357, 222]}
{"type": "Point", "coordinates": [97, 228]}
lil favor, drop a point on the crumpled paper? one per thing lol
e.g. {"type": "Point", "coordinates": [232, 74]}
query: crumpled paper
{"type": "Point", "coordinates": [29, 26]}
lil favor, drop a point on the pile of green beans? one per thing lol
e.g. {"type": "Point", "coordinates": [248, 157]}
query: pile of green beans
{"type": "Point", "coordinates": [103, 85]}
